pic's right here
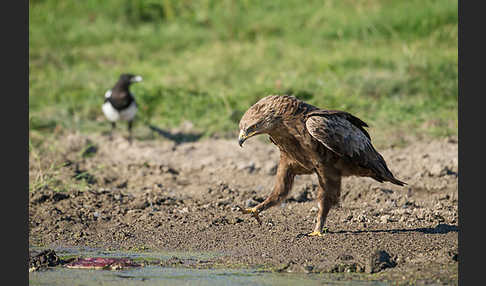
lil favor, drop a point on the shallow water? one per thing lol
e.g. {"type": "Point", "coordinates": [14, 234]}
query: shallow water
{"type": "Point", "coordinates": [157, 275]}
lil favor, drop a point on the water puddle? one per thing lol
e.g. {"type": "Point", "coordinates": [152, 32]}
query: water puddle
{"type": "Point", "coordinates": [155, 274]}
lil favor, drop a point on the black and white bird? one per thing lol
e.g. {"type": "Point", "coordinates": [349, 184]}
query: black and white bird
{"type": "Point", "coordinates": [120, 102]}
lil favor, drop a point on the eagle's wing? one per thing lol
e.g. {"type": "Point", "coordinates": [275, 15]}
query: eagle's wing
{"type": "Point", "coordinates": [344, 134]}
{"type": "Point", "coordinates": [340, 131]}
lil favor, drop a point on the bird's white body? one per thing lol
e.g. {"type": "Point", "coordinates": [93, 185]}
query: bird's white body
{"type": "Point", "coordinates": [113, 115]}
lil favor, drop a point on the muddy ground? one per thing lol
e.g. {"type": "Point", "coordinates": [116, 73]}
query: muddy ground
{"type": "Point", "coordinates": [161, 195]}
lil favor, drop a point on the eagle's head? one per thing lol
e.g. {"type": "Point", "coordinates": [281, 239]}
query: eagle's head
{"type": "Point", "coordinates": [260, 118]}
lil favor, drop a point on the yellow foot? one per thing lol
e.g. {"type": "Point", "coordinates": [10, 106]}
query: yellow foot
{"type": "Point", "coordinates": [317, 233]}
{"type": "Point", "coordinates": [254, 213]}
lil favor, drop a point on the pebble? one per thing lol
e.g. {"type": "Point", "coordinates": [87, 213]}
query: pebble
{"type": "Point", "coordinates": [250, 203]}
{"type": "Point", "coordinates": [361, 218]}
{"type": "Point", "coordinates": [379, 260]}
{"type": "Point", "coordinates": [308, 268]}
{"type": "Point", "coordinates": [385, 218]}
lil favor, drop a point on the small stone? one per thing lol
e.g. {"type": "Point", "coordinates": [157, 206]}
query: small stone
{"type": "Point", "coordinates": [308, 268]}
{"type": "Point", "coordinates": [454, 256]}
{"type": "Point", "coordinates": [345, 257]}
{"type": "Point", "coordinates": [44, 259]}
{"type": "Point", "coordinates": [250, 203]}
{"type": "Point", "coordinates": [385, 218]}
{"type": "Point", "coordinates": [400, 259]}
{"type": "Point", "coordinates": [236, 220]}
{"type": "Point", "coordinates": [379, 260]}
{"type": "Point", "coordinates": [59, 196]}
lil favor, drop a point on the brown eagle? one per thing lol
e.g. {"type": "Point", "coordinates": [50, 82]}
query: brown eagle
{"type": "Point", "coordinates": [329, 143]}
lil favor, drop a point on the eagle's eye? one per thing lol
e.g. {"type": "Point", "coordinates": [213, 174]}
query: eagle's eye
{"type": "Point", "coordinates": [254, 127]}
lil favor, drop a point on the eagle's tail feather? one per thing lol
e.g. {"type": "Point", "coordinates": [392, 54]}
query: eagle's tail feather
{"type": "Point", "coordinates": [396, 181]}
{"type": "Point", "coordinates": [385, 174]}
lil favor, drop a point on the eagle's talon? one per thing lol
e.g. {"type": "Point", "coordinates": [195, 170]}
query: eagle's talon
{"type": "Point", "coordinates": [253, 212]}
{"type": "Point", "coordinates": [249, 211]}
{"type": "Point", "coordinates": [317, 233]}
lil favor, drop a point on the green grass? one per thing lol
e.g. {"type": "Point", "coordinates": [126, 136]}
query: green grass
{"type": "Point", "coordinates": [392, 63]}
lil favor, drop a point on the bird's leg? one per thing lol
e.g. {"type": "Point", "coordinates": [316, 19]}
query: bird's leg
{"type": "Point", "coordinates": [113, 125]}
{"type": "Point", "coordinates": [283, 185]}
{"type": "Point", "coordinates": [328, 195]}
{"type": "Point", "coordinates": [130, 131]}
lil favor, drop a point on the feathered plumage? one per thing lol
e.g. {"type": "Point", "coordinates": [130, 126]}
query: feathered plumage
{"type": "Point", "coordinates": [330, 143]}
{"type": "Point", "coordinates": [120, 103]}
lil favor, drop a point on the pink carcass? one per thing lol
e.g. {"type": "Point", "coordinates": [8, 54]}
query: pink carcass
{"type": "Point", "coordinates": [102, 263]}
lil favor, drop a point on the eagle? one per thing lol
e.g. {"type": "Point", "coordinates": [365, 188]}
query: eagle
{"type": "Point", "coordinates": [330, 143]}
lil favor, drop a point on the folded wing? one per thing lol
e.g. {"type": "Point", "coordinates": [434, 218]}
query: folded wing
{"type": "Point", "coordinates": [344, 134]}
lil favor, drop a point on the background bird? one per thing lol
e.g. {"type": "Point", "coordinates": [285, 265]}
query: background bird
{"type": "Point", "coordinates": [120, 102]}
{"type": "Point", "coordinates": [330, 143]}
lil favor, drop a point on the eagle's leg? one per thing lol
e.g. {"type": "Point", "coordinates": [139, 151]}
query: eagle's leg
{"type": "Point", "coordinates": [327, 196]}
{"type": "Point", "coordinates": [283, 185]}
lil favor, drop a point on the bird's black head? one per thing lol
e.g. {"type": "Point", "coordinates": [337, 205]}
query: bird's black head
{"type": "Point", "coordinates": [127, 79]}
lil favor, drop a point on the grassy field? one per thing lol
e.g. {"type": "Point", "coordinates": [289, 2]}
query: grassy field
{"type": "Point", "coordinates": [392, 63]}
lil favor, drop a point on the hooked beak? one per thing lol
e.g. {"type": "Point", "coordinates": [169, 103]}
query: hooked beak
{"type": "Point", "coordinates": [242, 137]}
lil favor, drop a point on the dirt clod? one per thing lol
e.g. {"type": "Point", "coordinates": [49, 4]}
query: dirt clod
{"type": "Point", "coordinates": [379, 260]}
{"type": "Point", "coordinates": [43, 259]}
